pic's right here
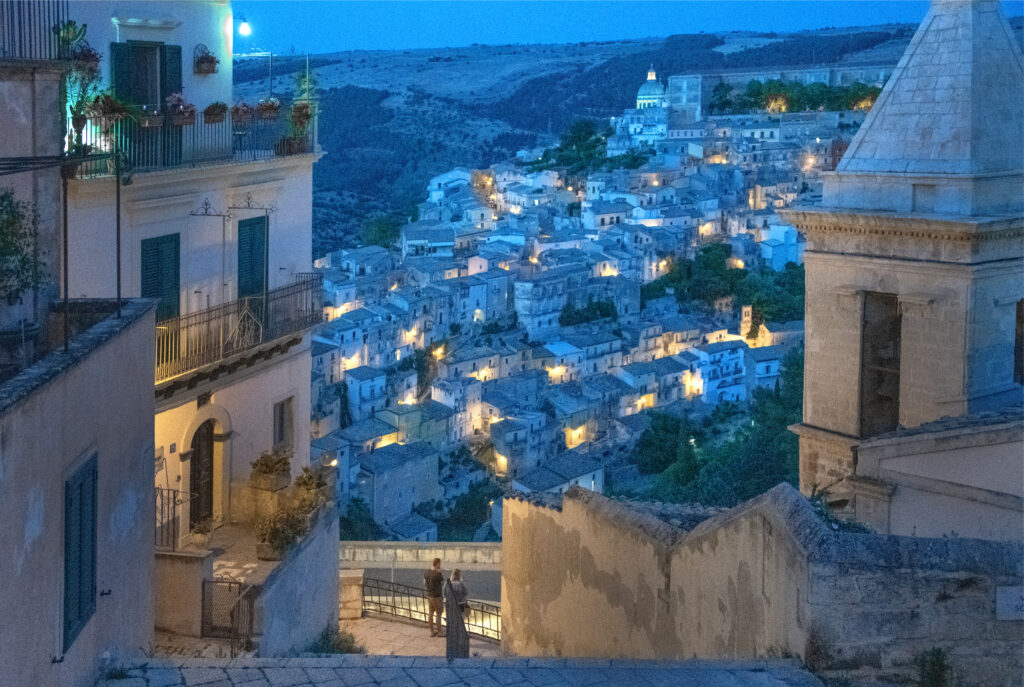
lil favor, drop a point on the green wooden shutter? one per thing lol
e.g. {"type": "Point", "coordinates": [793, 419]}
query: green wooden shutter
{"type": "Point", "coordinates": [79, 549]}
{"type": "Point", "coordinates": [170, 67]}
{"type": "Point", "coordinates": [252, 256]}
{"type": "Point", "coordinates": [161, 274]}
{"type": "Point", "coordinates": [121, 70]}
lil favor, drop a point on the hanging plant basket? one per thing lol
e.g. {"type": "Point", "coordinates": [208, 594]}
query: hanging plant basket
{"type": "Point", "coordinates": [151, 121]}
{"type": "Point", "coordinates": [215, 113]}
{"type": "Point", "coordinates": [268, 108]}
{"type": "Point", "coordinates": [183, 119]}
{"type": "Point", "coordinates": [242, 113]}
{"type": "Point", "coordinates": [204, 61]}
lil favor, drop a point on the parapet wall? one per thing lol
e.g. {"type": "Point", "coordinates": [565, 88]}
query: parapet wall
{"type": "Point", "coordinates": [299, 599]}
{"type": "Point", "coordinates": [404, 554]}
{"type": "Point", "coordinates": [593, 577]}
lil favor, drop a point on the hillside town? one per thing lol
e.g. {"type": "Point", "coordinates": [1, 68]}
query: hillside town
{"type": "Point", "coordinates": [727, 388]}
{"type": "Point", "coordinates": [525, 317]}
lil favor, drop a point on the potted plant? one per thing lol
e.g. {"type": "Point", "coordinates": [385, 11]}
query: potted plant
{"type": "Point", "coordinates": [310, 487]}
{"type": "Point", "coordinates": [215, 112]}
{"type": "Point", "coordinates": [106, 111]}
{"type": "Point", "coordinates": [272, 470]}
{"type": "Point", "coordinates": [201, 532]}
{"type": "Point", "coordinates": [242, 113]}
{"type": "Point", "coordinates": [278, 532]}
{"type": "Point", "coordinates": [150, 117]}
{"type": "Point", "coordinates": [268, 108]}
{"type": "Point", "coordinates": [181, 112]}
{"type": "Point", "coordinates": [302, 113]}
{"type": "Point", "coordinates": [206, 63]}
{"type": "Point", "coordinates": [82, 84]}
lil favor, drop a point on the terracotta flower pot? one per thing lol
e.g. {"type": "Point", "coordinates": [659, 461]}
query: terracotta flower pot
{"type": "Point", "coordinates": [214, 117]}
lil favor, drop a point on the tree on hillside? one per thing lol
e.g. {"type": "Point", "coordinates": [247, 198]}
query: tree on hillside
{"type": "Point", "coordinates": [757, 457]}
{"type": "Point", "coordinates": [721, 99]}
{"type": "Point", "coordinates": [380, 230]}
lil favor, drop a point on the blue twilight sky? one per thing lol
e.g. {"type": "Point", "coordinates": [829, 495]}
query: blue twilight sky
{"type": "Point", "coordinates": [330, 25]}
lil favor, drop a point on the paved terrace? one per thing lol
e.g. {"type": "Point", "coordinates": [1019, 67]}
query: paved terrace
{"type": "Point", "coordinates": [407, 671]}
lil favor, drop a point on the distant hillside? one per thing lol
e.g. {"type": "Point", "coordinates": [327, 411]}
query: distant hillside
{"type": "Point", "coordinates": [392, 119]}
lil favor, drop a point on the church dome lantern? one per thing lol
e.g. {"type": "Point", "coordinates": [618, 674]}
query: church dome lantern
{"type": "Point", "coordinates": [651, 93]}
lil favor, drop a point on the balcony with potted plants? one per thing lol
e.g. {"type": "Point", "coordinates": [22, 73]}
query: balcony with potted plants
{"type": "Point", "coordinates": [180, 134]}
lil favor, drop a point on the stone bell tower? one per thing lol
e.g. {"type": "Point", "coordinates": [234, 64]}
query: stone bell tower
{"type": "Point", "coordinates": [914, 261]}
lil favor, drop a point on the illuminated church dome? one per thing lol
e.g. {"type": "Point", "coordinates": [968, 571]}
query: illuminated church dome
{"type": "Point", "coordinates": [651, 92]}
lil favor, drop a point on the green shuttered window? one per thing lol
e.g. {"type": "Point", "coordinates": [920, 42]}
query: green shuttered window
{"type": "Point", "coordinates": [79, 549]}
{"type": "Point", "coordinates": [252, 256]}
{"type": "Point", "coordinates": [161, 274]}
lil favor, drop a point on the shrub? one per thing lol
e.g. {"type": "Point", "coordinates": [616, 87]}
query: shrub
{"type": "Point", "coordinates": [335, 641]}
{"type": "Point", "coordinates": [273, 462]}
{"type": "Point", "coordinates": [310, 479]}
{"type": "Point", "coordinates": [216, 108]}
{"type": "Point", "coordinates": [282, 529]}
{"type": "Point", "coordinates": [20, 269]}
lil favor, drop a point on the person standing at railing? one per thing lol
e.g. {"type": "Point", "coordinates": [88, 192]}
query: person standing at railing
{"type": "Point", "coordinates": [433, 581]}
{"type": "Point", "coordinates": [460, 593]}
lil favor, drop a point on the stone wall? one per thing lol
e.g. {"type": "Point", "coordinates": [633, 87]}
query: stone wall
{"type": "Point", "coordinates": [95, 399]}
{"type": "Point", "coordinates": [593, 577]}
{"type": "Point", "coordinates": [178, 590]}
{"type": "Point", "coordinates": [299, 599]}
{"type": "Point", "coordinates": [419, 555]}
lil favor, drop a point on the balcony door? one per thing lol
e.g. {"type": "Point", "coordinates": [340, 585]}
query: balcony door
{"type": "Point", "coordinates": [144, 74]}
{"type": "Point", "coordinates": [161, 274]}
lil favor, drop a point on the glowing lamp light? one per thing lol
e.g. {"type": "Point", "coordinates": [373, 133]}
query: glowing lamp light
{"type": "Point", "coordinates": [243, 27]}
{"type": "Point", "coordinates": [334, 463]}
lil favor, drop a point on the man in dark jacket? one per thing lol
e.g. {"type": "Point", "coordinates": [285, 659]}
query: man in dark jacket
{"type": "Point", "coordinates": [433, 580]}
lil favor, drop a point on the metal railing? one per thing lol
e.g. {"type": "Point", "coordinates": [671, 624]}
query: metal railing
{"type": "Point", "coordinates": [242, 621]}
{"type": "Point", "coordinates": [167, 141]}
{"type": "Point", "coordinates": [188, 342]}
{"type": "Point", "coordinates": [482, 619]}
{"type": "Point", "coordinates": [167, 526]}
{"type": "Point", "coordinates": [27, 29]}
{"type": "Point", "coordinates": [228, 612]}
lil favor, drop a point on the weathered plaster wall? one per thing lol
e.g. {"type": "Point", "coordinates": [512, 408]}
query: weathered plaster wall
{"type": "Point", "coordinates": [593, 577]}
{"type": "Point", "coordinates": [300, 597]}
{"type": "Point", "coordinates": [178, 590]}
{"type": "Point", "coordinates": [100, 400]}
{"type": "Point", "coordinates": [579, 583]}
{"type": "Point", "coordinates": [738, 586]}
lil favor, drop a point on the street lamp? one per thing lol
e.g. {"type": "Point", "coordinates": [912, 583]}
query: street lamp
{"type": "Point", "coordinates": [243, 26]}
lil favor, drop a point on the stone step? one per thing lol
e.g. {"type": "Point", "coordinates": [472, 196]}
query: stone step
{"type": "Point", "coordinates": [414, 671]}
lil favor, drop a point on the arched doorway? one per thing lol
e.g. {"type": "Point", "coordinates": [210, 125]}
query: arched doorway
{"type": "Point", "coordinates": [201, 474]}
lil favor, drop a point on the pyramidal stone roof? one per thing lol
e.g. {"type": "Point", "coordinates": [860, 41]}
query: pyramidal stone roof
{"type": "Point", "coordinates": [955, 103]}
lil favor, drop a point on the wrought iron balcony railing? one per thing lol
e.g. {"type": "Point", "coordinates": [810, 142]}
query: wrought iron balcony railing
{"type": "Point", "coordinates": [189, 342]}
{"type": "Point", "coordinates": [27, 29]}
{"type": "Point", "coordinates": [150, 143]}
